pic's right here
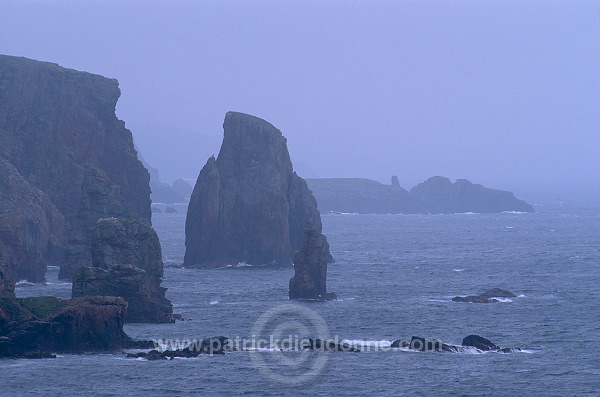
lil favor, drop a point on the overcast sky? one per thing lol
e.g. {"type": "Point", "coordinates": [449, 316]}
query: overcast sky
{"type": "Point", "coordinates": [504, 93]}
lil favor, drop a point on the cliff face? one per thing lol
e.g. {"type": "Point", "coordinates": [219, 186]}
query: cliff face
{"type": "Point", "coordinates": [310, 267]}
{"type": "Point", "coordinates": [58, 128]}
{"type": "Point", "coordinates": [248, 205]}
{"type": "Point", "coordinates": [7, 285]}
{"type": "Point", "coordinates": [439, 195]}
{"type": "Point", "coordinates": [32, 231]}
{"type": "Point", "coordinates": [127, 261]}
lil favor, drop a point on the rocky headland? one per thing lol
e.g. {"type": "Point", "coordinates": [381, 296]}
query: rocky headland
{"type": "Point", "coordinates": [59, 133]}
{"type": "Point", "coordinates": [248, 204]}
{"type": "Point", "coordinates": [437, 195]}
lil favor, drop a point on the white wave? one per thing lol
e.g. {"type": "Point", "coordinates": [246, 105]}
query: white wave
{"type": "Point", "coordinates": [25, 283]}
{"type": "Point", "coordinates": [214, 302]}
{"type": "Point", "coordinates": [241, 264]}
{"type": "Point", "coordinates": [364, 342]}
{"type": "Point", "coordinates": [509, 227]}
{"type": "Point", "coordinates": [521, 296]}
{"type": "Point", "coordinates": [458, 270]}
{"type": "Point", "coordinates": [513, 212]}
{"type": "Point", "coordinates": [466, 213]}
{"type": "Point", "coordinates": [501, 300]}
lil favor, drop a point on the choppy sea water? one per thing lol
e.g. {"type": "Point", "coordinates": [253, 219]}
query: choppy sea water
{"type": "Point", "coordinates": [395, 276]}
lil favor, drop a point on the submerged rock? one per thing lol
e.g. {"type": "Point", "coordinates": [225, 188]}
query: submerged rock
{"type": "Point", "coordinates": [59, 130]}
{"type": "Point", "coordinates": [248, 204]}
{"type": "Point", "coordinates": [127, 260]}
{"type": "Point", "coordinates": [486, 297]}
{"type": "Point", "coordinates": [421, 344]}
{"type": "Point", "coordinates": [310, 267]}
{"type": "Point", "coordinates": [328, 345]}
{"type": "Point", "coordinates": [52, 325]}
{"type": "Point", "coordinates": [214, 345]}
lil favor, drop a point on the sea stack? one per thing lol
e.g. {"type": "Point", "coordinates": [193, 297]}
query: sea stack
{"type": "Point", "coordinates": [310, 267]}
{"type": "Point", "coordinates": [127, 260]}
{"type": "Point", "coordinates": [248, 204]}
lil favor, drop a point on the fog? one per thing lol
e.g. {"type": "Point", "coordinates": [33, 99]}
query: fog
{"type": "Point", "coordinates": [504, 93]}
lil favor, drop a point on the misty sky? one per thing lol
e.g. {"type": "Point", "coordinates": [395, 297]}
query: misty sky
{"type": "Point", "coordinates": [504, 93]}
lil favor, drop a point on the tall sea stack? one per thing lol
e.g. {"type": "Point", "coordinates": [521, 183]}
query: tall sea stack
{"type": "Point", "coordinates": [248, 204]}
{"type": "Point", "coordinates": [59, 131]}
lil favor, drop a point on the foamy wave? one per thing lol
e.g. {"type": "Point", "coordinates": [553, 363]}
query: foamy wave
{"type": "Point", "coordinates": [214, 302]}
{"type": "Point", "coordinates": [458, 270]}
{"type": "Point", "coordinates": [25, 283]}
{"type": "Point", "coordinates": [502, 300]}
{"type": "Point", "coordinates": [509, 227]}
{"type": "Point", "coordinates": [241, 264]}
{"type": "Point", "coordinates": [513, 212]}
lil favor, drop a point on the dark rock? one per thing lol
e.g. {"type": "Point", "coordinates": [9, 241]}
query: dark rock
{"type": "Point", "coordinates": [473, 299]}
{"type": "Point", "coordinates": [170, 210]}
{"type": "Point", "coordinates": [486, 297]}
{"type": "Point", "coordinates": [498, 293]}
{"type": "Point", "coordinates": [479, 342]}
{"type": "Point", "coordinates": [7, 285]}
{"type": "Point", "coordinates": [31, 228]}
{"type": "Point", "coordinates": [395, 182]}
{"type": "Point", "coordinates": [439, 195]}
{"type": "Point", "coordinates": [183, 188]}
{"type": "Point", "coordinates": [34, 326]}
{"type": "Point", "coordinates": [248, 205]}
{"type": "Point", "coordinates": [421, 344]}
{"type": "Point", "coordinates": [127, 260]}
{"type": "Point", "coordinates": [214, 345]}
{"type": "Point", "coordinates": [328, 345]}
{"type": "Point", "coordinates": [310, 267]}
{"type": "Point", "coordinates": [58, 128]}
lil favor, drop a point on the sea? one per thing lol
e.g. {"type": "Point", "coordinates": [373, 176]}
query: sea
{"type": "Point", "coordinates": [395, 276]}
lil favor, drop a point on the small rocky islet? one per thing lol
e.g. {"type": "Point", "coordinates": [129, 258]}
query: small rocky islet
{"type": "Point", "coordinates": [75, 193]}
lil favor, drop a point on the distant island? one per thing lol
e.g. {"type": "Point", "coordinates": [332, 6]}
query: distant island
{"type": "Point", "coordinates": [437, 195]}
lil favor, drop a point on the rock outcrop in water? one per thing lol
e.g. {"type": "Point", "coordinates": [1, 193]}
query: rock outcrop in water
{"type": "Point", "coordinates": [127, 260]}
{"type": "Point", "coordinates": [248, 204]}
{"type": "Point", "coordinates": [310, 267]}
{"type": "Point", "coordinates": [30, 327]}
{"type": "Point", "coordinates": [59, 130]}
{"type": "Point", "coordinates": [437, 195]}
{"type": "Point", "coordinates": [488, 296]}
{"type": "Point", "coordinates": [470, 342]}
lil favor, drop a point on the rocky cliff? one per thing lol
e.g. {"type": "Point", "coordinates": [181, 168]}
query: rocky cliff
{"type": "Point", "coordinates": [248, 204]}
{"type": "Point", "coordinates": [52, 325]}
{"type": "Point", "coordinates": [127, 262]}
{"type": "Point", "coordinates": [310, 267]}
{"type": "Point", "coordinates": [32, 230]}
{"type": "Point", "coordinates": [7, 285]}
{"type": "Point", "coordinates": [59, 130]}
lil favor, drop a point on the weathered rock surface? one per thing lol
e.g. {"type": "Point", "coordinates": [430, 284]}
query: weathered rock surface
{"type": "Point", "coordinates": [436, 195]}
{"type": "Point", "coordinates": [58, 128]}
{"type": "Point", "coordinates": [127, 262]}
{"type": "Point", "coordinates": [7, 285]}
{"type": "Point", "coordinates": [49, 324]}
{"type": "Point", "coordinates": [214, 345]}
{"type": "Point", "coordinates": [310, 267]}
{"type": "Point", "coordinates": [441, 196]}
{"type": "Point", "coordinates": [32, 231]}
{"type": "Point", "coordinates": [248, 205]}
{"type": "Point", "coordinates": [486, 297]}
